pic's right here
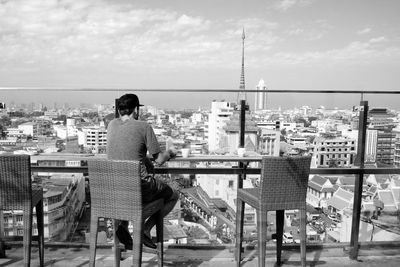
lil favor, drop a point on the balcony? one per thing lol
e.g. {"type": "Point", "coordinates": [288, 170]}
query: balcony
{"type": "Point", "coordinates": [355, 252]}
{"type": "Point", "coordinates": [318, 253]}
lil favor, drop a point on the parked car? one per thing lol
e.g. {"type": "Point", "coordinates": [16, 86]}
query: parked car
{"type": "Point", "coordinates": [287, 238]}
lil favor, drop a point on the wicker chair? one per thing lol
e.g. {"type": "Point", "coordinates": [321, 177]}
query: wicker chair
{"type": "Point", "coordinates": [283, 185]}
{"type": "Point", "coordinates": [16, 193]}
{"type": "Point", "coordinates": [115, 189]}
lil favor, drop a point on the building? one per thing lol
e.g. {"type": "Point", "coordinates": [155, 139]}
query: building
{"type": "Point", "coordinates": [319, 190]}
{"type": "Point", "coordinates": [94, 138]}
{"type": "Point", "coordinates": [219, 115]}
{"type": "Point", "coordinates": [371, 141]}
{"type": "Point", "coordinates": [225, 188]}
{"type": "Point", "coordinates": [28, 128]}
{"type": "Point", "coordinates": [385, 147]}
{"type": "Point", "coordinates": [298, 141]}
{"type": "Point", "coordinates": [63, 197]}
{"type": "Point", "coordinates": [381, 118]}
{"type": "Point", "coordinates": [15, 133]}
{"type": "Point", "coordinates": [396, 159]}
{"type": "Point", "coordinates": [329, 152]}
{"type": "Point", "coordinates": [261, 96]}
{"type": "Point", "coordinates": [269, 143]}
{"type": "Point", "coordinates": [232, 130]}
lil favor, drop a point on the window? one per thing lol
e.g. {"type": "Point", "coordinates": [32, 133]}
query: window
{"type": "Point", "coordinates": [230, 185]}
{"type": "Point", "coordinates": [216, 193]}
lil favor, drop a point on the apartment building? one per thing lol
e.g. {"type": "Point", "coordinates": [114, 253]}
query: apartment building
{"type": "Point", "coordinates": [219, 115]}
{"type": "Point", "coordinates": [95, 138]}
{"type": "Point", "coordinates": [64, 195]}
{"type": "Point", "coordinates": [329, 152]}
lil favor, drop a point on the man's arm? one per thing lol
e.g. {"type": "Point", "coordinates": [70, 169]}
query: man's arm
{"type": "Point", "coordinates": [162, 157]}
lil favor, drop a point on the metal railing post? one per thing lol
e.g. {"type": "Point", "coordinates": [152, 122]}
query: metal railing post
{"type": "Point", "coordinates": [358, 187]}
{"type": "Point", "coordinates": [242, 166]}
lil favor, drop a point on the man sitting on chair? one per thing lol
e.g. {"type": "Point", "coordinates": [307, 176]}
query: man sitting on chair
{"type": "Point", "coordinates": [130, 139]}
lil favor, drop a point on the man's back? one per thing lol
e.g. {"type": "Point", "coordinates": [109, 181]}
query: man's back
{"type": "Point", "coordinates": [130, 140]}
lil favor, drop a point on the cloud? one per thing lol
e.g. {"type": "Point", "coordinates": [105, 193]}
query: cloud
{"type": "Point", "coordinates": [380, 39]}
{"type": "Point", "coordinates": [364, 31]}
{"type": "Point", "coordinates": [70, 33]}
{"type": "Point", "coordinates": [285, 5]}
{"type": "Point", "coordinates": [355, 53]}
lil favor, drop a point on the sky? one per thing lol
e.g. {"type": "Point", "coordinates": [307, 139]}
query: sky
{"type": "Point", "coordinates": [191, 44]}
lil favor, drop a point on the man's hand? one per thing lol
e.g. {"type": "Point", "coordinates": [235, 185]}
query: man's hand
{"type": "Point", "coordinates": [172, 153]}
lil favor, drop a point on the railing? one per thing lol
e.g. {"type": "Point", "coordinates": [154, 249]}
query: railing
{"type": "Point", "coordinates": [242, 170]}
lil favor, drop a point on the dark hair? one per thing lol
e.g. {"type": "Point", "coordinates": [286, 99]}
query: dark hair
{"type": "Point", "coordinates": [127, 104]}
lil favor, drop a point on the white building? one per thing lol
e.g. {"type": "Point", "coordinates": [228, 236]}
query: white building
{"type": "Point", "coordinates": [95, 137]}
{"type": "Point", "coordinates": [328, 152]}
{"type": "Point", "coordinates": [269, 142]}
{"type": "Point", "coordinates": [289, 126]}
{"type": "Point", "coordinates": [298, 141]}
{"type": "Point", "coordinates": [220, 114]}
{"type": "Point", "coordinates": [64, 195]}
{"type": "Point", "coordinates": [225, 188]}
{"type": "Point", "coordinates": [261, 96]}
{"type": "Point", "coordinates": [28, 128]}
{"type": "Point", "coordinates": [14, 133]}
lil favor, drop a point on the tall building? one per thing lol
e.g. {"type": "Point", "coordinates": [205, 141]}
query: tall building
{"type": "Point", "coordinates": [261, 96]}
{"type": "Point", "coordinates": [382, 120]}
{"type": "Point", "coordinates": [220, 114]}
{"type": "Point", "coordinates": [371, 145]}
{"type": "Point", "coordinates": [385, 147]}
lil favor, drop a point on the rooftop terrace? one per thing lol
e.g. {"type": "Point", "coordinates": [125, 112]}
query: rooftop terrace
{"type": "Point", "coordinates": [319, 254]}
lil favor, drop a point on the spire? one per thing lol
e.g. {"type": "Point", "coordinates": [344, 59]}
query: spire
{"type": "Point", "coordinates": [242, 94]}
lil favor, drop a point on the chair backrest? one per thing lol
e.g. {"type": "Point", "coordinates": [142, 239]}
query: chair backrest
{"type": "Point", "coordinates": [284, 182]}
{"type": "Point", "coordinates": [15, 182]}
{"type": "Point", "coordinates": [115, 188]}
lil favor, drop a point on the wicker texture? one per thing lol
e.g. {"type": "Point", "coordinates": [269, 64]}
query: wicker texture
{"type": "Point", "coordinates": [16, 193]}
{"type": "Point", "coordinates": [283, 185]}
{"type": "Point", "coordinates": [115, 189]}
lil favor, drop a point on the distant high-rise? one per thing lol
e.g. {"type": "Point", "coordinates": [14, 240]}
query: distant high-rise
{"type": "Point", "coordinates": [242, 86]}
{"type": "Point", "coordinates": [261, 96]}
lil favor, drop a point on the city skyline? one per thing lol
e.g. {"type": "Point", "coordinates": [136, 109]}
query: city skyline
{"type": "Point", "coordinates": [290, 44]}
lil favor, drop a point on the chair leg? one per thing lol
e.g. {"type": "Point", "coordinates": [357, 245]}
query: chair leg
{"type": "Point", "coordinates": [160, 238]}
{"type": "Point", "coordinates": [239, 230]}
{"type": "Point", "coordinates": [2, 245]}
{"type": "Point", "coordinates": [94, 220]}
{"type": "Point", "coordinates": [261, 231]}
{"type": "Point", "coordinates": [117, 251]}
{"type": "Point", "coordinates": [303, 236]}
{"type": "Point", "coordinates": [40, 227]}
{"type": "Point", "coordinates": [137, 243]}
{"type": "Point", "coordinates": [279, 234]}
{"type": "Point", "coordinates": [2, 249]}
{"type": "Point", "coordinates": [27, 239]}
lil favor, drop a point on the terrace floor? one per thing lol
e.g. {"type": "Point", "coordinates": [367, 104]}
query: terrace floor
{"type": "Point", "coordinates": [373, 254]}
